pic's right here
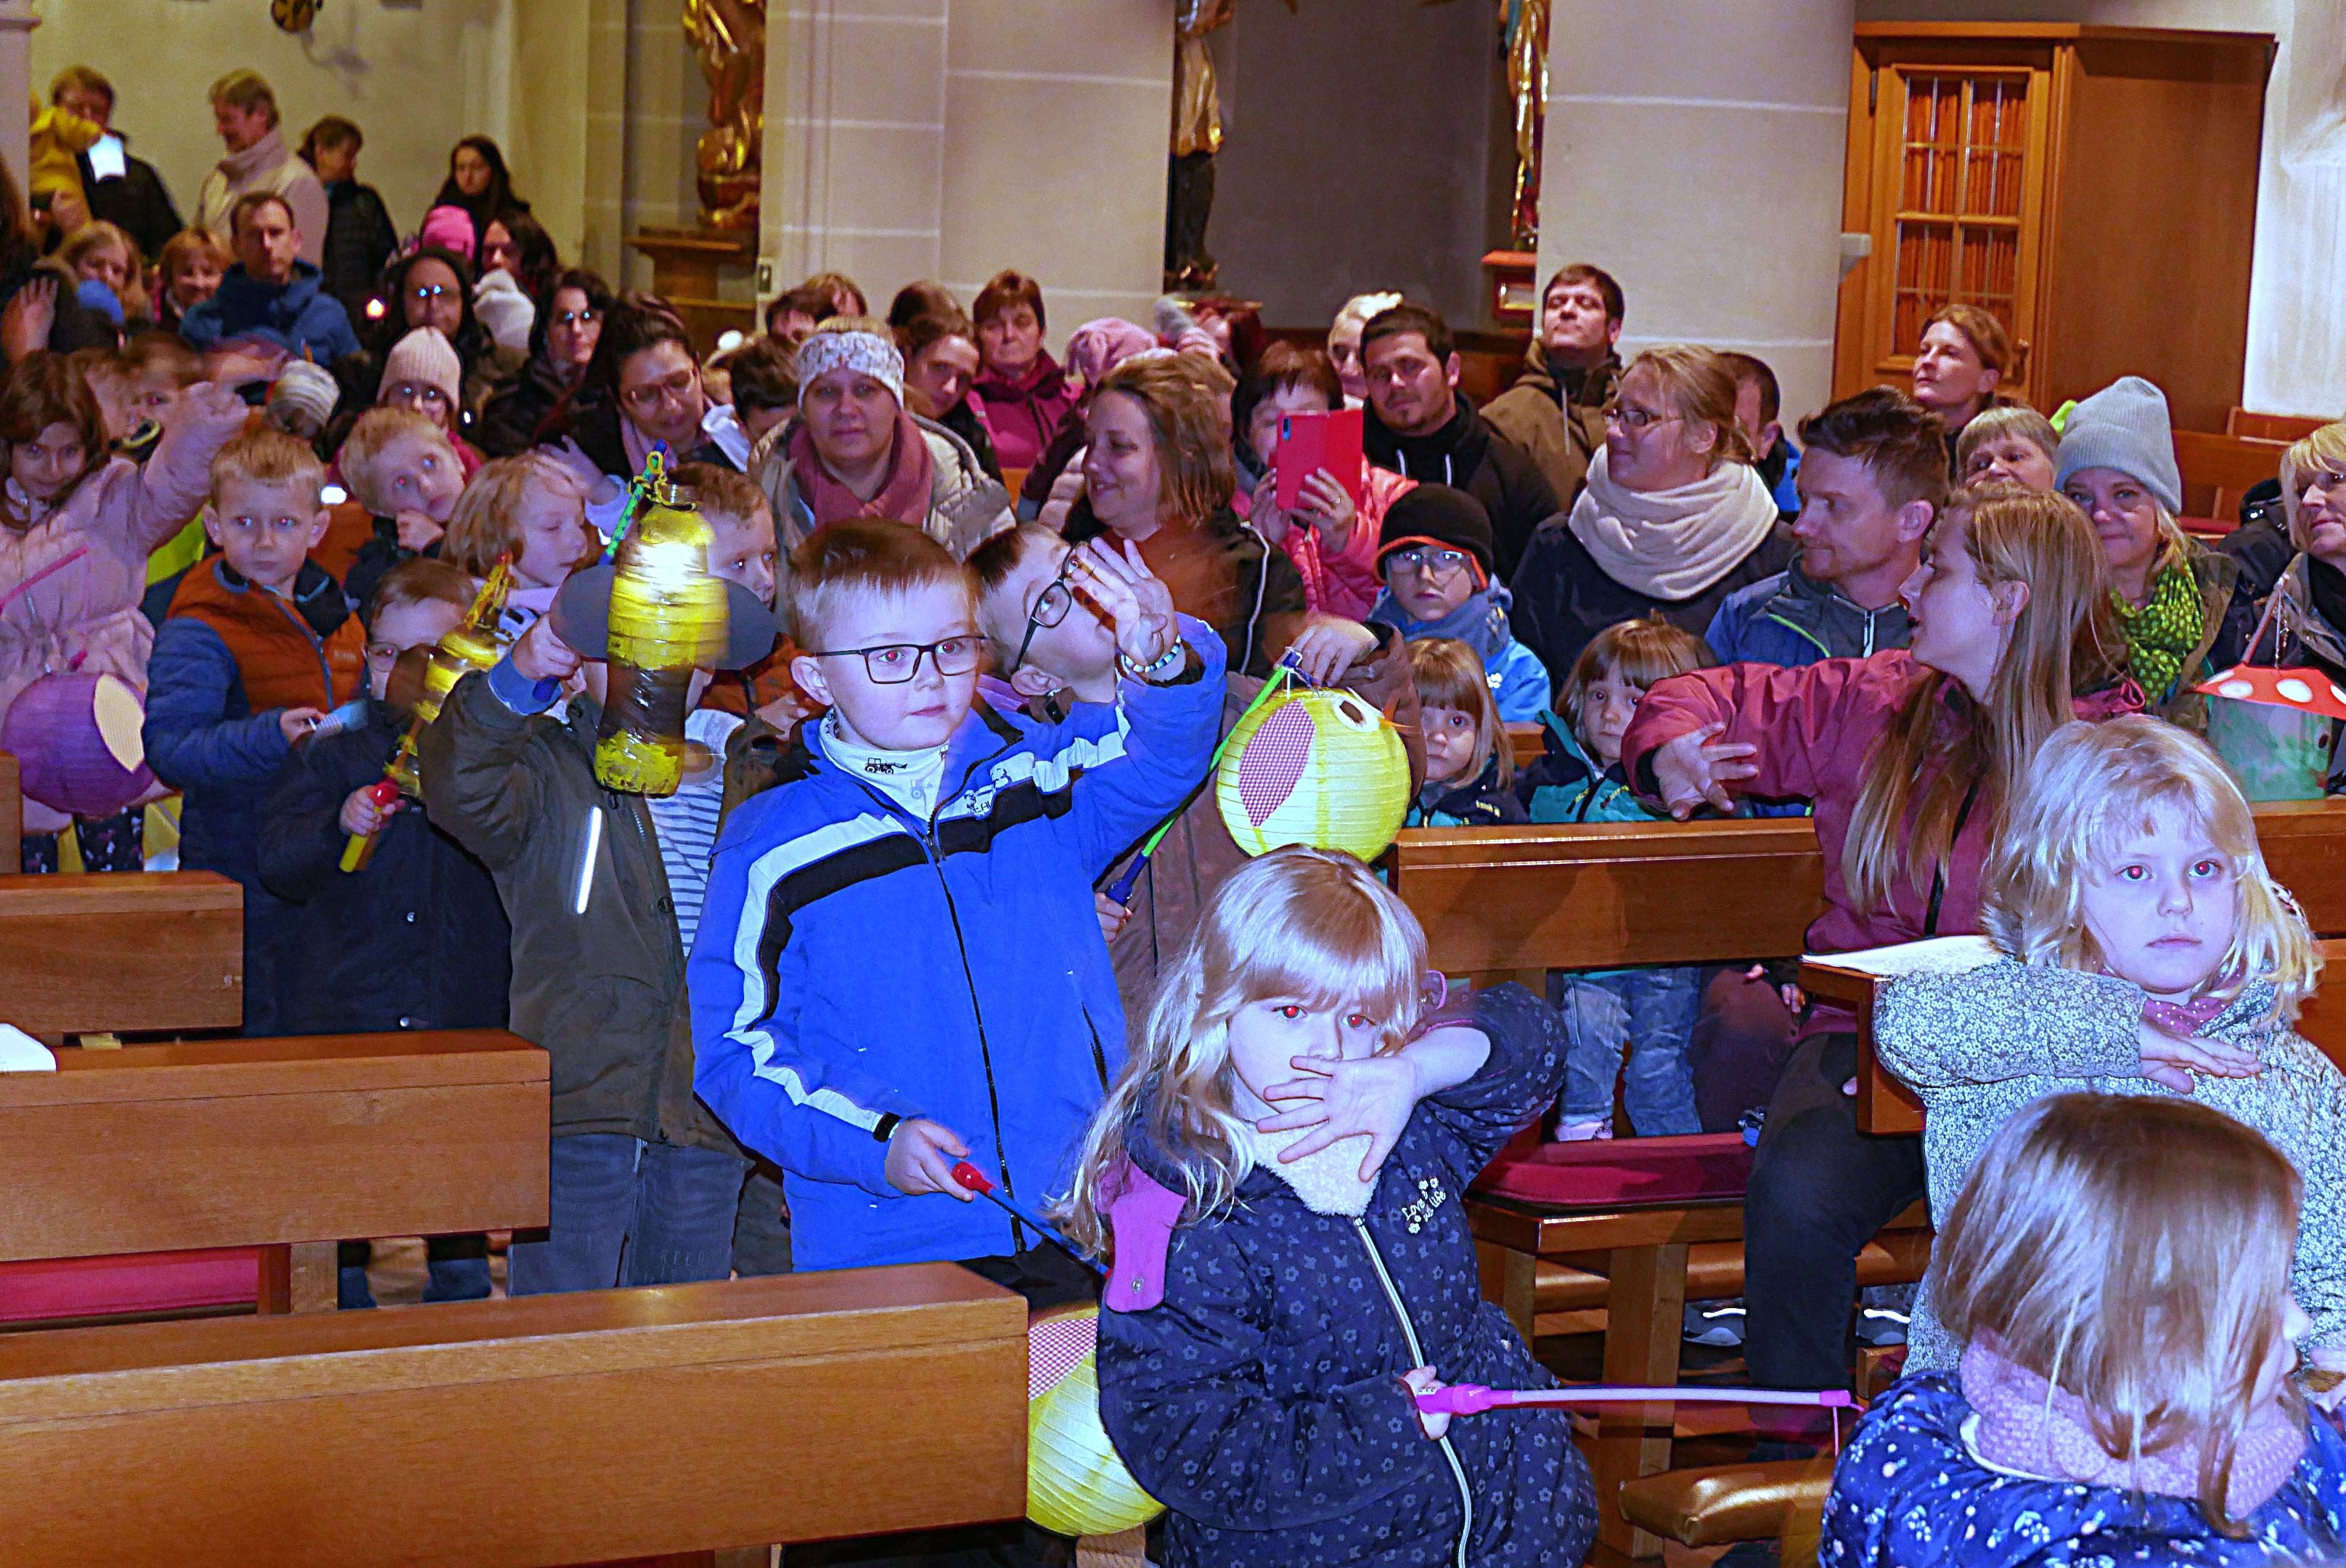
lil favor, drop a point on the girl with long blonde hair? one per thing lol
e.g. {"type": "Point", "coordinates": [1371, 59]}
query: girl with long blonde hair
{"type": "Point", "coordinates": [1282, 1290]}
{"type": "Point", "coordinates": [1909, 758]}
{"type": "Point", "coordinates": [2116, 1272]}
{"type": "Point", "coordinates": [2145, 949]}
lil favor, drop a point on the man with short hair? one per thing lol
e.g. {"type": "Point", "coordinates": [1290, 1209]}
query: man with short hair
{"type": "Point", "coordinates": [1419, 425]}
{"type": "Point", "coordinates": [1555, 410]}
{"type": "Point", "coordinates": [1757, 401]}
{"type": "Point", "coordinates": [271, 295]}
{"type": "Point", "coordinates": [244, 112]}
{"type": "Point", "coordinates": [1872, 480]}
{"type": "Point", "coordinates": [134, 200]}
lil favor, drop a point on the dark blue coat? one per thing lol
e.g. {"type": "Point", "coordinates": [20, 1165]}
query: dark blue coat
{"type": "Point", "coordinates": [1262, 1401]}
{"type": "Point", "coordinates": [299, 317]}
{"type": "Point", "coordinates": [417, 938]}
{"type": "Point", "coordinates": [1907, 1494]}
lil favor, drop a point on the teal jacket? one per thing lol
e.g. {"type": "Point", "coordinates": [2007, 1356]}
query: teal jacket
{"type": "Point", "coordinates": [1565, 784]}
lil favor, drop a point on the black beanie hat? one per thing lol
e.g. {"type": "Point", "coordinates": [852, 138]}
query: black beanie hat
{"type": "Point", "coordinates": [1439, 515]}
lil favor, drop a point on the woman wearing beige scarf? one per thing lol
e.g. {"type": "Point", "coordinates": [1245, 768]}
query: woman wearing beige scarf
{"type": "Point", "coordinates": [1672, 520]}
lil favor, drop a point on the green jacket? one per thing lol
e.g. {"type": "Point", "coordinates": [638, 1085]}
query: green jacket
{"type": "Point", "coordinates": [602, 991]}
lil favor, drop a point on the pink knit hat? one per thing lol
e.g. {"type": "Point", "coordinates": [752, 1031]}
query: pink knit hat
{"type": "Point", "coordinates": [425, 355]}
{"type": "Point", "coordinates": [1098, 347]}
{"type": "Point", "coordinates": [451, 229]}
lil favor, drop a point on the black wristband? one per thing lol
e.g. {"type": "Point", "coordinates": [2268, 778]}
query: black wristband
{"type": "Point", "coordinates": [886, 1127]}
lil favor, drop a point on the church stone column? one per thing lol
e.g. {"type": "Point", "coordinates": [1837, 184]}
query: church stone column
{"type": "Point", "coordinates": [17, 24]}
{"type": "Point", "coordinates": [1694, 150]}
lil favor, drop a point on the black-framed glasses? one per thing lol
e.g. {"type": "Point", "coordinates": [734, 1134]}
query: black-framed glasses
{"type": "Point", "coordinates": [1426, 561]}
{"type": "Point", "coordinates": [1629, 416]}
{"type": "Point", "coordinates": [1051, 607]}
{"type": "Point", "coordinates": [893, 664]}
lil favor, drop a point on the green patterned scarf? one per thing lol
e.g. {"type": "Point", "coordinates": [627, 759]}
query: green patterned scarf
{"type": "Point", "coordinates": [2164, 632]}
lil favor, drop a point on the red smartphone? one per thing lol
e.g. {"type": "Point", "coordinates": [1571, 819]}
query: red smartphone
{"type": "Point", "coordinates": [1310, 441]}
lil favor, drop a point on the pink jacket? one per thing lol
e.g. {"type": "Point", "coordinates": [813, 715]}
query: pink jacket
{"type": "Point", "coordinates": [70, 584]}
{"type": "Point", "coordinates": [1345, 585]}
{"type": "Point", "coordinates": [1815, 725]}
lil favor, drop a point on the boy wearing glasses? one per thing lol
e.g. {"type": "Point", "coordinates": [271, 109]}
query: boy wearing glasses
{"type": "Point", "coordinates": [899, 966]}
{"type": "Point", "coordinates": [1434, 553]}
{"type": "Point", "coordinates": [644, 1184]}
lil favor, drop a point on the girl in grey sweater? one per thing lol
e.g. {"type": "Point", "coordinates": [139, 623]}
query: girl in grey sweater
{"type": "Point", "coordinates": [2147, 952]}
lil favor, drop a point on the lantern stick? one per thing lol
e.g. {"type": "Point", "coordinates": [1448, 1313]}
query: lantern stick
{"type": "Point", "coordinates": [968, 1176]}
{"type": "Point", "coordinates": [1473, 1399]}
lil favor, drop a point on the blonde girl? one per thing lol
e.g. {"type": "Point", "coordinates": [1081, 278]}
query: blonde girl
{"type": "Point", "coordinates": [1909, 758]}
{"type": "Point", "coordinates": [1469, 771]}
{"type": "Point", "coordinates": [2145, 952]}
{"type": "Point", "coordinates": [101, 252]}
{"type": "Point", "coordinates": [2116, 1272]}
{"type": "Point", "coordinates": [1281, 1291]}
{"type": "Point", "coordinates": [532, 509]}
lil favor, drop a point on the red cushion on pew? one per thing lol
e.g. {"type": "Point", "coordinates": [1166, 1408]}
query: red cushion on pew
{"type": "Point", "coordinates": [132, 1282]}
{"type": "Point", "coordinates": [1603, 1171]}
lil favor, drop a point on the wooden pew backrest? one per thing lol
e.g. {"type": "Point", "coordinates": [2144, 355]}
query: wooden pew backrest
{"type": "Point", "coordinates": [546, 1431]}
{"type": "Point", "coordinates": [2290, 427]}
{"type": "Point", "coordinates": [12, 816]}
{"type": "Point", "coordinates": [242, 1143]}
{"type": "Point", "coordinates": [2218, 470]}
{"type": "Point", "coordinates": [128, 952]}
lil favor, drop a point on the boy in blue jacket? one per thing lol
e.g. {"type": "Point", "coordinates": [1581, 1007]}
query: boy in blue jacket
{"type": "Point", "coordinates": [1436, 553]}
{"type": "Point", "coordinates": [900, 964]}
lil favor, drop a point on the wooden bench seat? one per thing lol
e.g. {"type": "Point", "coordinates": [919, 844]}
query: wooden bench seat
{"type": "Point", "coordinates": [125, 953]}
{"type": "Point", "coordinates": [548, 1431]}
{"type": "Point", "coordinates": [1713, 1505]}
{"type": "Point", "coordinates": [288, 1145]}
{"type": "Point", "coordinates": [1569, 1293]}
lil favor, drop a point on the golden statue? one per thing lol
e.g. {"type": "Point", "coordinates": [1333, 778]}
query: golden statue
{"type": "Point", "coordinates": [1523, 35]}
{"type": "Point", "coordinates": [729, 37]}
{"type": "Point", "coordinates": [1197, 138]}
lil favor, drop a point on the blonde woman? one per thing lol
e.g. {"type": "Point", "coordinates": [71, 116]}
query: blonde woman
{"type": "Point", "coordinates": [1282, 1289]}
{"type": "Point", "coordinates": [2147, 952]}
{"type": "Point", "coordinates": [1909, 757]}
{"type": "Point", "coordinates": [2015, 443]}
{"type": "Point", "coordinates": [2117, 1273]}
{"type": "Point", "coordinates": [1672, 520]}
{"type": "Point", "coordinates": [2312, 617]}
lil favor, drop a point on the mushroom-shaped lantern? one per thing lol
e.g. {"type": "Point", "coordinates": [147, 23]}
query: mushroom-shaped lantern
{"type": "Point", "coordinates": [2273, 727]}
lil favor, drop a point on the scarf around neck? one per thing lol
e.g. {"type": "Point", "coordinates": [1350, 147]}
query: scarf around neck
{"type": "Point", "coordinates": [903, 495]}
{"type": "Point", "coordinates": [1671, 544]}
{"type": "Point", "coordinates": [266, 153]}
{"type": "Point", "coordinates": [2164, 632]}
{"type": "Point", "coordinates": [2026, 1424]}
{"type": "Point", "coordinates": [1481, 623]}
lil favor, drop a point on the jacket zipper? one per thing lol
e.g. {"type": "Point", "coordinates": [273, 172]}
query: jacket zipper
{"type": "Point", "coordinates": [1417, 1358]}
{"type": "Point", "coordinates": [317, 645]}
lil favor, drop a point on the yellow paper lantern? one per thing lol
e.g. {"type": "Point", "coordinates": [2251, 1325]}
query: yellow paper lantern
{"type": "Point", "coordinates": [1315, 767]}
{"type": "Point", "coordinates": [1076, 1484]}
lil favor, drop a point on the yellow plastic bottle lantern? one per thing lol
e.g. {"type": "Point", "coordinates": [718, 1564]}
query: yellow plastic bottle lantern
{"type": "Point", "coordinates": [1075, 1483]}
{"type": "Point", "coordinates": [1314, 767]}
{"type": "Point", "coordinates": [668, 617]}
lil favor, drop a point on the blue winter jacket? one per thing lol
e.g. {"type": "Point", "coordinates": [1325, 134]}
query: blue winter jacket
{"type": "Point", "coordinates": [1793, 619]}
{"type": "Point", "coordinates": [1262, 1402]}
{"type": "Point", "coordinates": [299, 317]}
{"type": "Point", "coordinates": [203, 737]}
{"type": "Point", "coordinates": [1907, 1494]}
{"type": "Point", "coordinates": [1519, 682]}
{"type": "Point", "coordinates": [1484, 803]}
{"type": "Point", "coordinates": [1565, 784]}
{"type": "Point", "coordinates": [855, 965]}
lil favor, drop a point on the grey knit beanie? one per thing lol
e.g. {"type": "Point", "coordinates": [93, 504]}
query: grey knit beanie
{"type": "Point", "coordinates": [2125, 426]}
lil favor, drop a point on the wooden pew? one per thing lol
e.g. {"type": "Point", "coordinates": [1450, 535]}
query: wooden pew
{"type": "Point", "coordinates": [2288, 427]}
{"type": "Point", "coordinates": [287, 1144]}
{"type": "Point", "coordinates": [548, 1431]}
{"type": "Point", "coordinates": [12, 816]}
{"type": "Point", "coordinates": [128, 952]}
{"type": "Point", "coordinates": [2218, 470]}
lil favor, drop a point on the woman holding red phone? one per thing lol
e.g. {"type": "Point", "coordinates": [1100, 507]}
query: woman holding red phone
{"type": "Point", "coordinates": [1332, 540]}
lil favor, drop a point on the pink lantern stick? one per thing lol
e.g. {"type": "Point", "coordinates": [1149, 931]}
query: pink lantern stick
{"type": "Point", "coordinates": [1473, 1399]}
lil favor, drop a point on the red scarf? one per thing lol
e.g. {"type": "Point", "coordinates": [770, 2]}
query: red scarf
{"type": "Point", "coordinates": [903, 495]}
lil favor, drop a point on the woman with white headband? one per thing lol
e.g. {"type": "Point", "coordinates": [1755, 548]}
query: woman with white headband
{"type": "Point", "coordinates": [855, 451]}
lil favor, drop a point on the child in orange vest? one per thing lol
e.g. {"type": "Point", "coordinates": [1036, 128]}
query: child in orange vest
{"type": "Point", "coordinates": [259, 652]}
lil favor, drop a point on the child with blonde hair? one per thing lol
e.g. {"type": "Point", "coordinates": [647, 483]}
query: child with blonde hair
{"type": "Point", "coordinates": [1469, 771]}
{"type": "Point", "coordinates": [2145, 950]}
{"type": "Point", "coordinates": [2116, 1272]}
{"type": "Point", "coordinates": [1646, 1015]}
{"type": "Point", "coordinates": [1283, 1289]}
{"type": "Point", "coordinates": [405, 472]}
{"type": "Point", "coordinates": [530, 510]}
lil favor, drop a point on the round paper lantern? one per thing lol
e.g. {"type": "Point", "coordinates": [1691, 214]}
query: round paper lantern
{"type": "Point", "coordinates": [76, 737]}
{"type": "Point", "coordinates": [1076, 1484]}
{"type": "Point", "coordinates": [1315, 767]}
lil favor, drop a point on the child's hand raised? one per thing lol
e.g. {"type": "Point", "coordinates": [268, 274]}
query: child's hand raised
{"type": "Point", "coordinates": [1422, 1380]}
{"type": "Point", "coordinates": [2169, 1060]}
{"type": "Point", "coordinates": [542, 655]}
{"type": "Point", "coordinates": [1128, 594]}
{"type": "Point", "coordinates": [1696, 768]}
{"type": "Point", "coordinates": [1329, 646]}
{"type": "Point", "coordinates": [921, 1156]}
{"type": "Point", "coordinates": [1345, 1099]}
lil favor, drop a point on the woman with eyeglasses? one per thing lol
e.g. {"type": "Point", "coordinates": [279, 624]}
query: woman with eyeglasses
{"type": "Point", "coordinates": [1673, 518]}
{"type": "Point", "coordinates": [423, 375]}
{"type": "Point", "coordinates": [855, 450]}
{"type": "Point", "coordinates": [2308, 626]}
{"type": "Point", "coordinates": [641, 388]}
{"type": "Point", "coordinates": [561, 341]}
{"type": "Point", "coordinates": [432, 287]}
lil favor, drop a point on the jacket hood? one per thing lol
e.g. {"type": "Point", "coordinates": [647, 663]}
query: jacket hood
{"type": "Point", "coordinates": [1838, 627]}
{"type": "Point", "coordinates": [244, 297]}
{"type": "Point", "coordinates": [1590, 387]}
{"type": "Point", "coordinates": [1458, 799]}
{"type": "Point", "coordinates": [1448, 455]}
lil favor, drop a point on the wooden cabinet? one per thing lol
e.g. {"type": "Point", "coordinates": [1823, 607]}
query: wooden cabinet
{"type": "Point", "coordinates": [2095, 187]}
